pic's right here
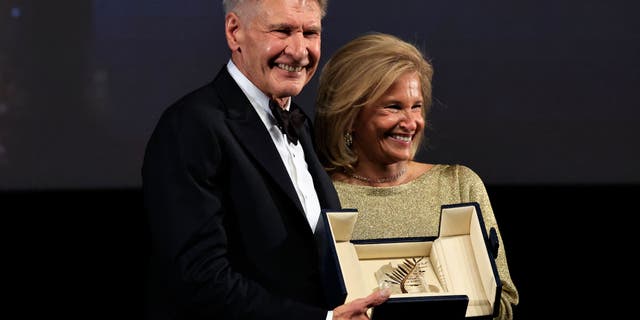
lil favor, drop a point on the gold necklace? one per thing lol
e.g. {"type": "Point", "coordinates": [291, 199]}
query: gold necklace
{"type": "Point", "coordinates": [379, 180]}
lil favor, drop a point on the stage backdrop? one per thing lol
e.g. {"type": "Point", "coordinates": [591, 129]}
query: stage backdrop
{"type": "Point", "coordinates": [526, 92]}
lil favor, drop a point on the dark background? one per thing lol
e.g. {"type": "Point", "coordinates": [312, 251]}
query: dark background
{"type": "Point", "coordinates": [538, 97]}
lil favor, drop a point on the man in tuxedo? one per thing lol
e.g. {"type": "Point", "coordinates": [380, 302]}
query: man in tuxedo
{"type": "Point", "coordinates": [233, 196]}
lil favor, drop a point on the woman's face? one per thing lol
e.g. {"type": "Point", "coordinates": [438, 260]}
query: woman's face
{"type": "Point", "coordinates": [384, 130]}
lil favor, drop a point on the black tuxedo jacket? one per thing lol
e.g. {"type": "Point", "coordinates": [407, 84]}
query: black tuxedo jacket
{"type": "Point", "coordinates": [230, 239]}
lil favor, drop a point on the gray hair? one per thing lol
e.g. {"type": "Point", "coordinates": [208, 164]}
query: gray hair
{"type": "Point", "coordinates": [230, 5]}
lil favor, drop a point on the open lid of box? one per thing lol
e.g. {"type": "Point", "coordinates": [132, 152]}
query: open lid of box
{"type": "Point", "coordinates": [466, 219]}
{"type": "Point", "coordinates": [330, 270]}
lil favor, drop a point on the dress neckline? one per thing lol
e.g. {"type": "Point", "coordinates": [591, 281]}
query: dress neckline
{"type": "Point", "coordinates": [423, 176]}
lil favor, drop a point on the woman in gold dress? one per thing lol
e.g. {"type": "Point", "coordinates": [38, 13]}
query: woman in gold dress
{"type": "Point", "coordinates": [374, 94]}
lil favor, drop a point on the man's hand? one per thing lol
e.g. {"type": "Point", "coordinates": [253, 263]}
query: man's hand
{"type": "Point", "coordinates": [357, 309]}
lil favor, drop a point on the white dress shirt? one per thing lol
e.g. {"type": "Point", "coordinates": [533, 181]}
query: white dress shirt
{"type": "Point", "coordinates": [292, 155]}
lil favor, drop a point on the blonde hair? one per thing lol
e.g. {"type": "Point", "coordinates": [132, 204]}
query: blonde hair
{"type": "Point", "coordinates": [234, 5]}
{"type": "Point", "coordinates": [358, 74]}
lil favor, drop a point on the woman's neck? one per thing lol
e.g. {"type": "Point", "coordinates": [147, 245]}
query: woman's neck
{"type": "Point", "coordinates": [379, 176]}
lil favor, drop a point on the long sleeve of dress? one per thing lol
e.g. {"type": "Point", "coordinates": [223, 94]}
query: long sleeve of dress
{"type": "Point", "coordinates": [477, 192]}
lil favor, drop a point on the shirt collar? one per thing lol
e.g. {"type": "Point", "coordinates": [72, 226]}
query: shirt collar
{"type": "Point", "coordinates": [258, 99]}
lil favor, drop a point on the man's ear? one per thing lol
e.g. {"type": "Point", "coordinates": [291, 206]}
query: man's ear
{"type": "Point", "coordinates": [232, 31]}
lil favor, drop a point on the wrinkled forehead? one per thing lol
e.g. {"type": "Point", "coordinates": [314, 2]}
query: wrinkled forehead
{"type": "Point", "coordinates": [244, 7]}
{"type": "Point", "coordinates": [295, 4]}
{"type": "Point", "coordinates": [322, 4]}
{"type": "Point", "coordinates": [288, 14]}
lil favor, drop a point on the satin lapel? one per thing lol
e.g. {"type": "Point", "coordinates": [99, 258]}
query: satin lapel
{"type": "Point", "coordinates": [322, 182]}
{"type": "Point", "coordinates": [247, 127]}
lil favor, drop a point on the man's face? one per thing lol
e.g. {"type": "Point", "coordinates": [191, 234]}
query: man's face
{"type": "Point", "coordinates": [276, 45]}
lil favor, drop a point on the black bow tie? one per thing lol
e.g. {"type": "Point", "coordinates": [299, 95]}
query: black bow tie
{"type": "Point", "coordinates": [287, 121]}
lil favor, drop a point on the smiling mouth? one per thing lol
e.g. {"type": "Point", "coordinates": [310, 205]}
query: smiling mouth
{"type": "Point", "coordinates": [289, 68]}
{"type": "Point", "coordinates": [402, 138]}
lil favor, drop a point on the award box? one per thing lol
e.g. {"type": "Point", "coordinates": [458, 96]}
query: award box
{"type": "Point", "coordinates": [451, 276]}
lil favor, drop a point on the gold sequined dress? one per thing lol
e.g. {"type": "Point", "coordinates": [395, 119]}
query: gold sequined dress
{"type": "Point", "coordinates": [413, 210]}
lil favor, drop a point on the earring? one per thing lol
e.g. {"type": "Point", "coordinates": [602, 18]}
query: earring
{"type": "Point", "coordinates": [348, 139]}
